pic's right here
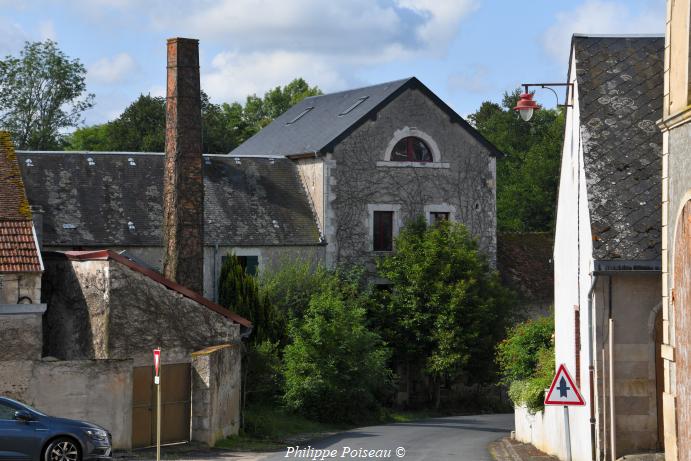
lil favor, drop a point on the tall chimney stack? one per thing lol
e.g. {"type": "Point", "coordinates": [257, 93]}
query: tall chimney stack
{"type": "Point", "coordinates": [183, 183]}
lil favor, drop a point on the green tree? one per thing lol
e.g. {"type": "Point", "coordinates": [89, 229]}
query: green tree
{"type": "Point", "coordinates": [526, 361]}
{"type": "Point", "coordinates": [239, 291]}
{"type": "Point", "coordinates": [446, 310]}
{"type": "Point", "coordinates": [42, 92]}
{"type": "Point", "coordinates": [528, 176]}
{"type": "Point", "coordinates": [335, 368]}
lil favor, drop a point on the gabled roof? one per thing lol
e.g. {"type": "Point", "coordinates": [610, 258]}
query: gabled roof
{"type": "Point", "coordinates": [90, 199]}
{"type": "Point", "coordinates": [18, 247]}
{"type": "Point", "coordinates": [104, 255]}
{"type": "Point", "coordinates": [620, 90]}
{"type": "Point", "coordinates": [318, 123]}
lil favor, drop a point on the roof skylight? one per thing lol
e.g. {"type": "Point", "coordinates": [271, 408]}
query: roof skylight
{"type": "Point", "coordinates": [354, 105]}
{"type": "Point", "coordinates": [300, 115]}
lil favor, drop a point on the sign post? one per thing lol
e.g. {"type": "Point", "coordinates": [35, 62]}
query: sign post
{"type": "Point", "coordinates": [157, 382]}
{"type": "Point", "coordinates": [569, 395]}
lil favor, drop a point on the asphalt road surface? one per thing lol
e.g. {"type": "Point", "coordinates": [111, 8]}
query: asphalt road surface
{"type": "Point", "coordinates": [458, 438]}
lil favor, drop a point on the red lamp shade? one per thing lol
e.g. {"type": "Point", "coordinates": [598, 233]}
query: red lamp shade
{"type": "Point", "coordinates": [526, 106]}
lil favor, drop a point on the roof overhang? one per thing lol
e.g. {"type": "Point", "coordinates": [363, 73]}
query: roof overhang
{"type": "Point", "coordinates": [621, 266]}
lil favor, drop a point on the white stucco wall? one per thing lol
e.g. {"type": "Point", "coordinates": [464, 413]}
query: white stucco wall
{"type": "Point", "coordinates": [572, 260]}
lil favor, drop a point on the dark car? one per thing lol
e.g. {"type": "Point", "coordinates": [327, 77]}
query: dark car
{"type": "Point", "coordinates": [28, 434]}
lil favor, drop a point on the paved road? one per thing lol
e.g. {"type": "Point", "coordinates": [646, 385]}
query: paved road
{"type": "Point", "coordinates": [458, 438]}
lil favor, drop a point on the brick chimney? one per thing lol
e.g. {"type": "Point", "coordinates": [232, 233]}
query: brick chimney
{"type": "Point", "coordinates": [183, 183]}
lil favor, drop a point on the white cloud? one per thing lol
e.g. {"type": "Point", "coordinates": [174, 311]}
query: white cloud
{"type": "Point", "coordinates": [234, 76]}
{"type": "Point", "coordinates": [112, 70]}
{"type": "Point", "coordinates": [46, 31]}
{"type": "Point", "coordinates": [601, 17]}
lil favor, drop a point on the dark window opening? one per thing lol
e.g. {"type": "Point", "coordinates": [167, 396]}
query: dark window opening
{"type": "Point", "coordinates": [411, 149]}
{"type": "Point", "coordinates": [436, 217]}
{"type": "Point", "coordinates": [383, 231]}
{"type": "Point", "coordinates": [249, 263]}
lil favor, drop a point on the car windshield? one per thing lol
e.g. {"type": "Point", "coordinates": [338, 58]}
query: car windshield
{"type": "Point", "coordinates": [26, 407]}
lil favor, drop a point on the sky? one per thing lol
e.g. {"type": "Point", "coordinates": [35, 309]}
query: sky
{"type": "Point", "coordinates": [466, 51]}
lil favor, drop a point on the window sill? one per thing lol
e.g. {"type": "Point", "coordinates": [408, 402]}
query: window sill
{"type": "Point", "coordinates": [382, 252]}
{"type": "Point", "coordinates": [414, 164]}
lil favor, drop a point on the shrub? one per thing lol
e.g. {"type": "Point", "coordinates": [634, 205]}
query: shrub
{"type": "Point", "coordinates": [447, 308]}
{"type": "Point", "coordinates": [526, 361]}
{"type": "Point", "coordinates": [335, 369]}
{"type": "Point", "coordinates": [264, 372]}
{"type": "Point", "coordinates": [290, 287]}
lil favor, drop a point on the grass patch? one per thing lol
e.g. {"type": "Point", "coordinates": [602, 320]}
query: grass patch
{"type": "Point", "coordinates": [271, 428]}
{"type": "Point", "coordinates": [395, 416]}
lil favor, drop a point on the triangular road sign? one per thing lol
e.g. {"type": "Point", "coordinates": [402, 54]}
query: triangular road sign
{"type": "Point", "coordinates": [563, 390]}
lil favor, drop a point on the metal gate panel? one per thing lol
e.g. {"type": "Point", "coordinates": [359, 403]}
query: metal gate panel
{"type": "Point", "coordinates": [175, 405]}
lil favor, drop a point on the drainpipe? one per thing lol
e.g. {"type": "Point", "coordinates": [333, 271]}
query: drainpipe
{"type": "Point", "coordinates": [613, 429]}
{"type": "Point", "coordinates": [591, 368]}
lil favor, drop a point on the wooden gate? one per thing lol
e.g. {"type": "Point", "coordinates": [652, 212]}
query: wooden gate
{"type": "Point", "coordinates": [175, 405]}
{"type": "Point", "coordinates": [682, 329]}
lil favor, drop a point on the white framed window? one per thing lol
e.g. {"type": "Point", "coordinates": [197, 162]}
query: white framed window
{"type": "Point", "coordinates": [436, 213]}
{"type": "Point", "coordinates": [383, 225]}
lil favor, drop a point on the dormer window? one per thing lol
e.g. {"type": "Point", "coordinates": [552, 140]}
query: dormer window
{"type": "Point", "coordinates": [411, 149]}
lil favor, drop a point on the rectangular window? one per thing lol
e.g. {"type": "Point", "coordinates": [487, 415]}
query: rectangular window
{"type": "Point", "coordinates": [436, 217]}
{"type": "Point", "coordinates": [249, 263]}
{"type": "Point", "coordinates": [382, 231]}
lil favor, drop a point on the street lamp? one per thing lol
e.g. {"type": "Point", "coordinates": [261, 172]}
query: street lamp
{"type": "Point", "coordinates": [526, 106]}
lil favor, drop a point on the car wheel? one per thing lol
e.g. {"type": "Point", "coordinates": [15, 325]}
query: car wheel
{"type": "Point", "coordinates": [62, 449]}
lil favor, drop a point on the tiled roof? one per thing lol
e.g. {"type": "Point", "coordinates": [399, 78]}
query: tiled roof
{"type": "Point", "coordinates": [247, 202]}
{"type": "Point", "coordinates": [620, 88]}
{"type": "Point", "coordinates": [103, 255]}
{"type": "Point", "coordinates": [18, 249]}
{"type": "Point", "coordinates": [316, 124]}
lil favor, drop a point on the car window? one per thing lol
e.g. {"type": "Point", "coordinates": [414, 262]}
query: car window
{"type": "Point", "coordinates": [6, 411]}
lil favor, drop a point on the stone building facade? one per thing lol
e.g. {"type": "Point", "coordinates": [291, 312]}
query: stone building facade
{"type": "Point", "coordinates": [676, 231]}
{"type": "Point", "coordinates": [308, 187]}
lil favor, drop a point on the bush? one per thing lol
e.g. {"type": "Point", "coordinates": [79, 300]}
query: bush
{"type": "Point", "coordinates": [526, 360]}
{"type": "Point", "coordinates": [446, 309]}
{"type": "Point", "coordinates": [335, 369]}
{"type": "Point", "coordinates": [264, 372]}
{"type": "Point", "coordinates": [239, 292]}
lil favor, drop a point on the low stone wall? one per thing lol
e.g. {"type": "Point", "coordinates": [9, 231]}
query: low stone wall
{"type": "Point", "coordinates": [216, 393]}
{"type": "Point", "coordinates": [98, 391]}
{"type": "Point", "coordinates": [21, 331]}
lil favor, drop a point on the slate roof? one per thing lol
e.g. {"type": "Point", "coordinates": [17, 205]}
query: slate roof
{"type": "Point", "coordinates": [316, 124]}
{"type": "Point", "coordinates": [620, 88]}
{"type": "Point", "coordinates": [248, 202]}
{"type": "Point", "coordinates": [18, 248]}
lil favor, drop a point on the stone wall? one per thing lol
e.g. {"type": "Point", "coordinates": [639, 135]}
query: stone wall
{"type": "Point", "coordinates": [462, 181]}
{"type": "Point", "coordinates": [98, 391]}
{"type": "Point", "coordinates": [20, 288]}
{"type": "Point", "coordinates": [311, 171]}
{"type": "Point", "coordinates": [105, 310]}
{"type": "Point", "coordinates": [216, 384]}
{"type": "Point", "coordinates": [21, 331]}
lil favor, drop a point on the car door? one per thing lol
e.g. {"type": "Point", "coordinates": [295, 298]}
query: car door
{"type": "Point", "coordinates": [18, 439]}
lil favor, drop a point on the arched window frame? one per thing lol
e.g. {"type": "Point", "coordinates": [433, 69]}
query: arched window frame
{"type": "Point", "coordinates": [416, 133]}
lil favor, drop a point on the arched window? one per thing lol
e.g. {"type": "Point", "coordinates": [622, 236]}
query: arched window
{"type": "Point", "coordinates": [411, 149]}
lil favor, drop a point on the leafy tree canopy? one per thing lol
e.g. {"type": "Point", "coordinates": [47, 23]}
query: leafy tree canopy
{"type": "Point", "coordinates": [528, 176]}
{"type": "Point", "coordinates": [447, 308]}
{"type": "Point", "coordinates": [42, 92]}
{"type": "Point", "coordinates": [141, 127]}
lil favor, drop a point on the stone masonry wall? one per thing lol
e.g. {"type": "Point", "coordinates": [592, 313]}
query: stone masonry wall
{"type": "Point", "coordinates": [98, 391]}
{"type": "Point", "coordinates": [216, 393]}
{"type": "Point", "coordinates": [21, 337]}
{"type": "Point", "coordinates": [462, 181]}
